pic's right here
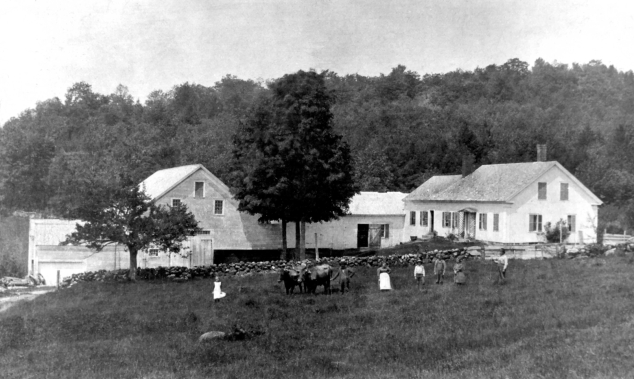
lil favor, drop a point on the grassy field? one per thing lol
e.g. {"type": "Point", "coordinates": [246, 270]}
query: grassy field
{"type": "Point", "coordinates": [551, 319]}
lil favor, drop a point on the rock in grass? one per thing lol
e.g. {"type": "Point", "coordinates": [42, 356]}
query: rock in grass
{"type": "Point", "coordinates": [210, 336]}
{"type": "Point", "coordinates": [610, 252]}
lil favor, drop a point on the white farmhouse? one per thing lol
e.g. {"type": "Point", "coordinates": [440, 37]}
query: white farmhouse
{"type": "Point", "coordinates": [504, 203]}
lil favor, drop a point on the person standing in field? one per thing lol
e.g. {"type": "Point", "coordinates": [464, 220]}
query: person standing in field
{"type": "Point", "coordinates": [218, 294]}
{"type": "Point", "coordinates": [458, 272]}
{"type": "Point", "coordinates": [383, 273]}
{"type": "Point", "coordinates": [502, 262]}
{"type": "Point", "coordinates": [419, 274]}
{"type": "Point", "coordinates": [439, 268]}
{"type": "Point", "coordinates": [344, 275]}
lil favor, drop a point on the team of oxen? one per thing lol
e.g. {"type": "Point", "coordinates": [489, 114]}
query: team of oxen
{"type": "Point", "coordinates": [307, 278]}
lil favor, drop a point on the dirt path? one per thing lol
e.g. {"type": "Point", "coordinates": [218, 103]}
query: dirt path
{"type": "Point", "coordinates": [15, 298]}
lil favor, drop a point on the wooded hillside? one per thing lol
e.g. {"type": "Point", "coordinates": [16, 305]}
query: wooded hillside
{"type": "Point", "coordinates": [402, 128]}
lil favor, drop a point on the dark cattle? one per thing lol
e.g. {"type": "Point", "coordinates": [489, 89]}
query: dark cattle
{"type": "Point", "coordinates": [291, 278]}
{"type": "Point", "coordinates": [317, 276]}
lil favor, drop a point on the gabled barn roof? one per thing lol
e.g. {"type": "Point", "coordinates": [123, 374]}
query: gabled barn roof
{"type": "Point", "coordinates": [162, 181]}
{"type": "Point", "coordinates": [377, 203]}
{"type": "Point", "coordinates": [489, 183]}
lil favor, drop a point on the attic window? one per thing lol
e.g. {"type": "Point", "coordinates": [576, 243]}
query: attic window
{"type": "Point", "coordinates": [564, 191]}
{"type": "Point", "coordinates": [219, 207]}
{"type": "Point", "coordinates": [153, 252]}
{"type": "Point", "coordinates": [199, 190]}
{"type": "Point", "coordinates": [204, 232]}
{"type": "Point", "coordinates": [541, 191]}
{"type": "Point", "coordinates": [176, 202]}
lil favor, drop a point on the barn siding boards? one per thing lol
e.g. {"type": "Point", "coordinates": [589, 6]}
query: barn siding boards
{"type": "Point", "coordinates": [232, 230]}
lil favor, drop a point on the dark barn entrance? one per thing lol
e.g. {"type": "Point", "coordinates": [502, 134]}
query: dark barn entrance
{"type": "Point", "coordinates": [362, 235]}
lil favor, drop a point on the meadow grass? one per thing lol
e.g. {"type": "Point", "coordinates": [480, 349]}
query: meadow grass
{"type": "Point", "coordinates": [551, 319]}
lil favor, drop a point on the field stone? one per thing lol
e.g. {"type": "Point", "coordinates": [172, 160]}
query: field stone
{"type": "Point", "coordinates": [210, 336]}
{"type": "Point", "coordinates": [610, 252]}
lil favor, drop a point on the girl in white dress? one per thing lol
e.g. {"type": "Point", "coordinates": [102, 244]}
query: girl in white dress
{"type": "Point", "coordinates": [383, 273]}
{"type": "Point", "coordinates": [218, 294]}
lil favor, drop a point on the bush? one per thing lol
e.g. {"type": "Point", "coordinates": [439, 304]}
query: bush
{"type": "Point", "coordinates": [553, 232]}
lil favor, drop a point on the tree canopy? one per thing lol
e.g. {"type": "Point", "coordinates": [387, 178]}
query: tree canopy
{"type": "Point", "coordinates": [407, 124]}
{"type": "Point", "coordinates": [290, 166]}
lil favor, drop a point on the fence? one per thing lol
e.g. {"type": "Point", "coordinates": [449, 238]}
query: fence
{"type": "Point", "coordinates": [615, 239]}
{"type": "Point", "coordinates": [539, 251]}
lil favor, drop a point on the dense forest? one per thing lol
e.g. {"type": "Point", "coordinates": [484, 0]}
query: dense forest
{"type": "Point", "coordinates": [402, 128]}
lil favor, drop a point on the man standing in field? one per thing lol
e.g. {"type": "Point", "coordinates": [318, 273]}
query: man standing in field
{"type": "Point", "coordinates": [439, 268]}
{"type": "Point", "coordinates": [344, 275]}
{"type": "Point", "coordinates": [502, 263]}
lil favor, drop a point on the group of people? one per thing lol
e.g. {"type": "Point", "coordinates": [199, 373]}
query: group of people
{"type": "Point", "coordinates": [440, 267]}
{"type": "Point", "coordinates": [344, 274]}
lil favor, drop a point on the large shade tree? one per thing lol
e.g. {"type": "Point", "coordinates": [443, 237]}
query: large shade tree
{"type": "Point", "coordinates": [114, 210]}
{"type": "Point", "coordinates": [291, 166]}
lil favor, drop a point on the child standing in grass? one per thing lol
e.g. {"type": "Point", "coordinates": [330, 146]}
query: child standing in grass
{"type": "Point", "coordinates": [218, 294]}
{"type": "Point", "coordinates": [419, 273]}
{"type": "Point", "coordinates": [439, 268]}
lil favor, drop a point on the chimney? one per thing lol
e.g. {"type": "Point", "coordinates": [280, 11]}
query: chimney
{"type": "Point", "coordinates": [467, 164]}
{"type": "Point", "coordinates": [541, 153]}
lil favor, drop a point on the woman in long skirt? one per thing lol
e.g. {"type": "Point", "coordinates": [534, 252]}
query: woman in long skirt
{"type": "Point", "coordinates": [458, 272]}
{"type": "Point", "coordinates": [383, 273]}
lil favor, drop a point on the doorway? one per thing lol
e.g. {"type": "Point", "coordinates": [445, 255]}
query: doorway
{"type": "Point", "coordinates": [362, 235]}
{"type": "Point", "coordinates": [431, 221]}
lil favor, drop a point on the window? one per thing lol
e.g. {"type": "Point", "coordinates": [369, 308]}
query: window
{"type": "Point", "coordinates": [204, 232]}
{"type": "Point", "coordinates": [454, 220]}
{"type": "Point", "coordinates": [153, 252]}
{"type": "Point", "coordinates": [535, 223]}
{"type": "Point", "coordinates": [483, 221]}
{"type": "Point", "coordinates": [424, 218]}
{"type": "Point", "coordinates": [412, 218]}
{"type": "Point", "coordinates": [564, 192]}
{"type": "Point", "coordinates": [176, 202]}
{"type": "Point", "coordinates": [219, 207]}
{"type": "Point", "coordinates": [572, 223]}
{"type": "Point", "coordinates": [199, 189]}
{"type": "Point", "coordinates": [385, 231]}
{"type": "Point", "coordinates": [541, 191]}
{"type": "Point", "coordinates": [446, 219]}
{"type": "Point", "coordinates": [496, 222]}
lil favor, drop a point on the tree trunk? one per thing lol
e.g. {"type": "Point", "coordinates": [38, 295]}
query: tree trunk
{"type": "Point", "coordinates": [297, 240]}
{"type": "Point", "coordinates": [302, 241]}
{"type": "Point", "coordinates": [133, 253]}
{"type": "Point", "coordinates": [284, 242]}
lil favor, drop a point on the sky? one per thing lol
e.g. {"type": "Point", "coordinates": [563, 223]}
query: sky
{"type": "Point", "coordinates": [46, 46]}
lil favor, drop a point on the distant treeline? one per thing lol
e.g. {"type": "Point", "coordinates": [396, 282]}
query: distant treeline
{"type": "Point", "coordinates": [402, 128]}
